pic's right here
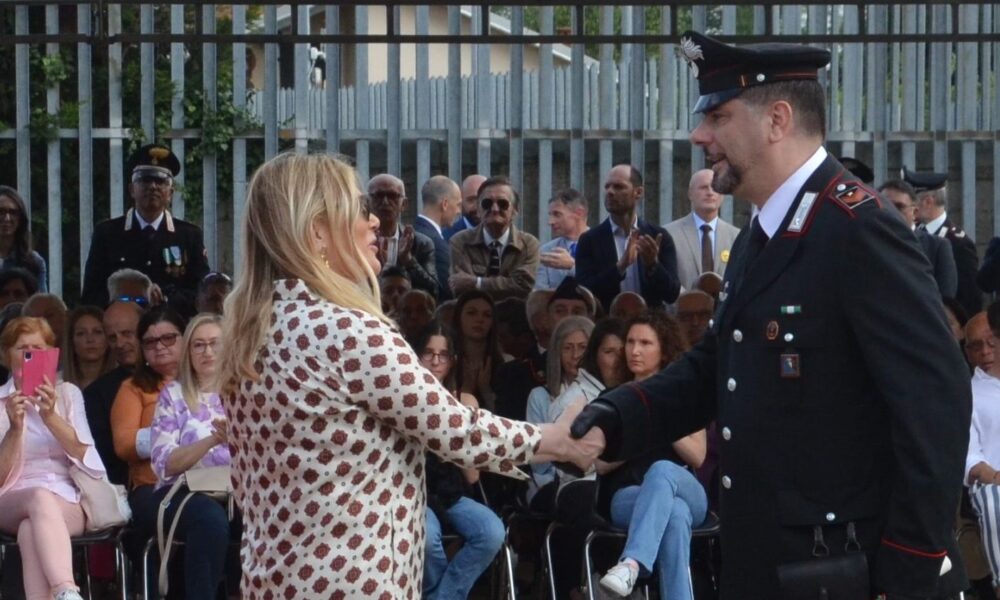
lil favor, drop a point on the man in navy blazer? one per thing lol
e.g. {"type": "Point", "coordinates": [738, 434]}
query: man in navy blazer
{"type": "Point", "coordinates": [625, 253]}
{"type": "Point", "coordinates": [442, 200]}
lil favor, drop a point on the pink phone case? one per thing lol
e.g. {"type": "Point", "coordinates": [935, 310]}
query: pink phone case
{"type": "Point", "coordinates": [38, 364]}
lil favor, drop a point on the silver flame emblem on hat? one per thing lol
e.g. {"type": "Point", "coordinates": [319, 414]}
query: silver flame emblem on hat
{"type": "Point", "coordinates": [691, 52]}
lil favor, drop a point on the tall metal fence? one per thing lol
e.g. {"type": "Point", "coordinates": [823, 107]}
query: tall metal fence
{"type": "Point", "coordinates": [912, 84]}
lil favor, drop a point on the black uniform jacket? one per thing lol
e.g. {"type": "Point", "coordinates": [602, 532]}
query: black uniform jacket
{"type": "Point", "coordinates": [938, 251]}
{"type": "Point", "coordinates": [597, 266]}
{"type": "Point", "coordinates": [839, 394]}
{"type": "Point", "coordinates": [967, 265]}
{"type": "Point", "coordinates": [174, 258]}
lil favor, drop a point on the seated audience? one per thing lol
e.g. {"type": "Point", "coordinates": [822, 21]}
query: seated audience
{"type": "Point", "coordinates": [129, 285]}
{"type": "Point", "coordinates": [980, 343]}
{"type": "Point", "coordinates": [479, 354]}
{"type": "Point", "coordinates": [189, 432]}
{"type": "Point", "coordinates": [570, 299]}
{"type": "Point", "coordinates": [121, 320]}
{"type": "Point", "coordinates": [694, 311]}
{"type": "Point", "coordinates": [212, 291]}
{"type": "Point", "coordinates": [414, 311]}
{"type": "Point", "coordinates": [711, 284]}
{"type": "Point", "coordinates": [86, 352]}
{"type": "Point", "coordinates": [569, 341]}
{"type": "Point", "coordinates": [445, 312]}
{"type": "Point", "coordinates": [513, 329]}
{"type": "Point", "coordinates": [957, 318]}
{"type": "Point", "coordinates": [15, 238]}
{"type": "Point", "coordinates": [601, 367]}
{"type": "Point", "coordinates": [655, 497]}
{"type": "Point", "coordinates": [44, 435]}
{"type": "Point", "coordinates": [447, 495]}
{"type": "Point", "coordinates": [393, 283]}
{"type": "Point", "coordinates": [16, 286]}
{"type": "Point", "coordinates": [626, 306]}
{"type": "Point", "coordinates": [49, 307]}
{"type": "Point", "coordinates": [159, 335]}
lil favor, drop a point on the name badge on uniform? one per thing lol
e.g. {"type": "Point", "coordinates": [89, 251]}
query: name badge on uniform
{"type": "Point", "coordinates": [790, 366]}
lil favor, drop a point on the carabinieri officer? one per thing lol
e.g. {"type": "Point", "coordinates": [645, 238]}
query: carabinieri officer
{"type": "Point", "coordinates": [148, 238]}
{"type": "Point", "coordinates": [844, 427]}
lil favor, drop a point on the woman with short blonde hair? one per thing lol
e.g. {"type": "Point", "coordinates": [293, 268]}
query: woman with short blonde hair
{"type": "Point", "coordinates": [329, 410]}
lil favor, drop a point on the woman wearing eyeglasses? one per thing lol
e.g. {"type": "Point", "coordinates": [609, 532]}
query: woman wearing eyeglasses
{"type": "Point", "coordinates": [159, 332]}
{"type": "Point", "coordinates": [15, 238]}
{"type": "Point", "coordinates": [189, 431]}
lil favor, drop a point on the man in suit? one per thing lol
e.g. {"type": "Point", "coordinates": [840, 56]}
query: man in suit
{"type": "Point", "coordinates": [442, 200]}
{"type": "Point", "coordinates": [937, 250]}
{"type": "Point", "coordinates": [625, 253]}
{"type": "Point", "coordinates": [495, 256]}
{"type": "Point", "coordinates": [470, 206]}
{"type": "Point", "coordinates": [148, 238]}
{"type": "Point", "coordinates": [932, 202]}
{"type": "Point", "coordinates": [568, 220]}
{"type": "Point", "coordinates": [398, 245]}
{"type": "Point", "coordinates": [843, 448]}
{"type": "Point", "coordinates": [702, 239]}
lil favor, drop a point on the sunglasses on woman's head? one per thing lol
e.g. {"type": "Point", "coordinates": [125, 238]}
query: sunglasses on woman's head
{"type": "Point", "coordinates": [140, 300]}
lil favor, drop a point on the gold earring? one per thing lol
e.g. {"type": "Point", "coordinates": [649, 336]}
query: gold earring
{"type": "Point", "coordinates": [322, 255]}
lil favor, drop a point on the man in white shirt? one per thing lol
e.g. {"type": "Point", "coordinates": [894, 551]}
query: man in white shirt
{"type": "Point", "coordinates": [568, 220]}
{"type": "Point", "coordinates": [702, 238]}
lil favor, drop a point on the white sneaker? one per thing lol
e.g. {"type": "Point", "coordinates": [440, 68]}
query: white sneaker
{"type": "Point", "coordinates": [620, 579]}
{"type": "Point", "coordinates": [69, 595]}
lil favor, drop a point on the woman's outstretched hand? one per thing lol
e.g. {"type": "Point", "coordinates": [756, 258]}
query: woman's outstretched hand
{"type": "Point", "coordinates": [576, 455]}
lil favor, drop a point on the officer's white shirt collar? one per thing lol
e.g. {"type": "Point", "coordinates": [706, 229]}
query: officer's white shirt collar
{"type": "Point", "coordinates": [935, 225]}
{"type": "Point", "coordinates": [504, 239]}
{"type": "Point", "coordinates": [155, 224]}
{"type": "Point", "coordinates": [776, 207]}
{"type": "Point", "coordinates": [432, 222]}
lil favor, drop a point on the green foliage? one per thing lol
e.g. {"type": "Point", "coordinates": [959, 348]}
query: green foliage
{"type": "Point", "coordinates": [53, 67]}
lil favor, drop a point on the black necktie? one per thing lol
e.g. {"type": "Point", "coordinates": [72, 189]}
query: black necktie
{"type": "Point", "coordinates": [494, 267]}
{"type": "Point", "coordinates": [148, 232]}
{"type": "Point", "coordinates": [758, 239]}
{"type": "Point", "coordinates": [707, 256]}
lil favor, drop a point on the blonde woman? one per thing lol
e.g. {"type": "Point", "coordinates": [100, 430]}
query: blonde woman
{"type": "Point", "coordinates": [189, 431]}
{"type": "Point", "coordinates": [329, 409]}
{"type": "Point", "coordinates": [86, 352]}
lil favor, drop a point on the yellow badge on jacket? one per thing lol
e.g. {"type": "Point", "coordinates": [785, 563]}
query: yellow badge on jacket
{"type": "Point", "coordinates": [725, 256]}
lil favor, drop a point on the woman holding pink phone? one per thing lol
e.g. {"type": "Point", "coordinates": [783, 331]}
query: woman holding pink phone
{"type": "Point", "coordinates": [43, 435]}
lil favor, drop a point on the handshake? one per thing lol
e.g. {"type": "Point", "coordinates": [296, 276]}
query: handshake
{"type": "Point", "coordinates": [578, 438]}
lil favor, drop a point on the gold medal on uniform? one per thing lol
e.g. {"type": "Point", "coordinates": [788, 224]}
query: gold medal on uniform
{"type": "Point", "coordinates": [771, 332]}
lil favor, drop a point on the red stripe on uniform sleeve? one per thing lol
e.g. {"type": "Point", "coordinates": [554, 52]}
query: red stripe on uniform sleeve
{"type": "Point", "coordinates": [909, 550]}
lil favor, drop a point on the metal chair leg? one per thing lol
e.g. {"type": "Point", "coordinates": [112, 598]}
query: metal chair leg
{"type": "Point", "coordinates": [145, 568]}
{"type": "Point", "coordinates": [509, 560]}
{"type": "Point", "coordinates": [588, 566]}
{"type": "Point", "coordinates": [548, 558]}
{"type": "Point", "coordinates": [86, 572]}
{"type": "Point", "coordinates": [123, 567]}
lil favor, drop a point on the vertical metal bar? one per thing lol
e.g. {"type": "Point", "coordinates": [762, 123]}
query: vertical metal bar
{"type": "Point", "coordinates": [115, 145]}
{"type": "Point", "coordinates": [393, 99]}
{"type": "Point", "coordinates": [968, 112]}
{"type": "Point", "coordinates": [302, 79]}
{"type": "Point", "coordinates": [912, 95]}
{"type": "Point", "coordinates": [239, 143]}
{"type": "Point", "coordinates": [921, 27]}
{"type": "Point", "coordinates": [85, 123]}
{"type": "Point", "coordinates": [577, 100]}
{"type": "Point", "coordinates": [147, 70]}
{"type": "Point", "coordinates": [484, 91]}
{"type": "Point", "coordinates": [423, 104]}
{"type": "Point", "coordinates": [516, 131]}
{"type": "Point", "coordinates": [850, 121]}
{"type": "Point", "coordinates": [546, 121]}
{"type": "Point", "coordinates": [453, 92]}
{"type": "Point", "coordinates": [54, 162]}
{"type": "Point", "coordinates": [667, 104]}
{"type": "Point", "coordinates": [270, 84]}
{"type": "Point", "coordinates": [608, 109]}
{"type": "Point", "coordinates": [637, 95]}
{"type": "Point", "coordinates": [333, 79]}
{"type": "Point", "coordinates": [940, 86]}
{"type": "Point", "coordinates": [22, 73]}
{"type": "Point", "coordinates": [362, 97]}
{"type": "Point", "coordinates": [996, 124]}
{"type": "Point", "coordinates": [209, 161]}
{"type": "Point", "coordinates": [877, 122]}
{"type": "Point", "coordinates": [177, 58]}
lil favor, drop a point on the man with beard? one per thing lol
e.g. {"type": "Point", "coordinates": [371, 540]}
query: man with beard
{"type": "Point", "coordinates": [843, 442]}
{"type": "Point", "coordinates": [148, 238]}
{"type": "Point", "coordinates": [625, 253]}
{"type": "Point", "coordinates": [470, 206]}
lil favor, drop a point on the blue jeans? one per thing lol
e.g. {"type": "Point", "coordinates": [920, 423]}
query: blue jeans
{"type": "Point", "coordinates": [482, 534]}
{"type": "Point", "coordinates": [659, 515]}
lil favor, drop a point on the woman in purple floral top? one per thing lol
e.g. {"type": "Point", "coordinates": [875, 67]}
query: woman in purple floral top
{"type": "Point", "coordinates": [189, 431]}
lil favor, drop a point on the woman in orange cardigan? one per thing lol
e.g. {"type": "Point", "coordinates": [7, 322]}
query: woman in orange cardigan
{"type": "Point", "coordinates": [159, 333]}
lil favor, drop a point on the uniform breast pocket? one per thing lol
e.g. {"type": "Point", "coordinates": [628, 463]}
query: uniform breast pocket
{"type": "Point", "coordinates": [794, 345]}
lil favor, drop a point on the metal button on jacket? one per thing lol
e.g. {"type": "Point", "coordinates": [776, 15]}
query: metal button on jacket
{"type": "Point", "coordinates": [727, 482]}
{"type": "Point", "coordinates": [737, 336]}
{"type": "Point", "coordinates": [726, 433]}
{"type": "Point", "coordinates": [789, 337]}
{"type": "Point", "coordinates": [731, 384]}
{"type": "Point", "coordinates": [830, 517]}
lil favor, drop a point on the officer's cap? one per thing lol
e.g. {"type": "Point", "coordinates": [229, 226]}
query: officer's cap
{"type": "Point", "coordinates": [154, 160]}
{"type": "Point", "coordinates": [926, 181]}
{"type": "Point", "coordinates": [569, 289]}
{"type": "Point", "coordinates": [724, 71]}
{"type": "Point", "coordinates": [858, 169]}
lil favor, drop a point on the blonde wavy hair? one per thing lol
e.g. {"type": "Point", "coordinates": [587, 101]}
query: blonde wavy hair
{"type": "Point", "coordinates": [286, 197]}
{"type": "Point", "coordinates": [185, 373]}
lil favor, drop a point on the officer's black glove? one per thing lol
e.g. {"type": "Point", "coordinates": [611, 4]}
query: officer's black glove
{"type": "Point", "coordinates": [604, 415]}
